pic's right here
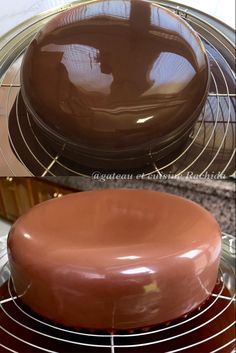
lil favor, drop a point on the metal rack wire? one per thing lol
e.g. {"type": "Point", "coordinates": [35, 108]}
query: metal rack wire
{"type": "Point", "coordinates": [32, 332]}
{"type": "Point", "coordinates": [210, 147]}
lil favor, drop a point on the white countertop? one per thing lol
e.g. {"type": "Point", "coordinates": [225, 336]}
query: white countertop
{"type": "Point", "coordinates": [13, 12]}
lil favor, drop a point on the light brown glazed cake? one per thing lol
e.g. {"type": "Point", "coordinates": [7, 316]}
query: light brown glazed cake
{"type": "Point", "coordinates": [114, 259]}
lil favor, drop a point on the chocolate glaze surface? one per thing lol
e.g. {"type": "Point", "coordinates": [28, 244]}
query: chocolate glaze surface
{"type": "Point", "coordinates": [202, 333]}
{"type": "Point", "coordinates": [114, 259]}
{"type": "Point", "coordinates": [115, 80]}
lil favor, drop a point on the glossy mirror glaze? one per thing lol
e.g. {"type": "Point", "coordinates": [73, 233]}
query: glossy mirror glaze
{"type": "Point", "coordinates": [115, 80]}
{"type": "Point", "coordinates": [114, 259]}
{"type": "Point", "coordinates": [208, 314]}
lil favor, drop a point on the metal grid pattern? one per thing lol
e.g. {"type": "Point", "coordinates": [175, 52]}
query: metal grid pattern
{"type": "Point", "coordinates": [210, 147]}
{"type": "Point", "coordinates": [31, 332]}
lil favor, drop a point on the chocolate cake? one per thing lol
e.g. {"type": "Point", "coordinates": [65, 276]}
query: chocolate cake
{"type": "Point", "coordinates": [114, 259]}
{"type": "Point", "coordinates": [115, 82]}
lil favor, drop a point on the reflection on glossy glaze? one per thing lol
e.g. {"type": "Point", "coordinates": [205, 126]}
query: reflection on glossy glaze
{"type": "Point", "coordinates": [115, 79]}
{"type": "Point", "coordinates": [200, 331]}
{"type": "Point", "coordinates": [114, 259]}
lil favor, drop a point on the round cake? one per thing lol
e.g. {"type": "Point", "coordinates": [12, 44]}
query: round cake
{"type": "Point", "coordinates": [114, 259]}
{"type": "Point", "coordinates": [117, 83]}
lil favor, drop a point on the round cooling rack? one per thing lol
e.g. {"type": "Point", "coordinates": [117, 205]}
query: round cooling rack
{"type": "Point", "coordinates": [210, 148]}
{"type": "Point", "coordinates": [209, 329]}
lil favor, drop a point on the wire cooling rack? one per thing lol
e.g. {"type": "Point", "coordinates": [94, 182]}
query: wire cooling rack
{"type": "Point", "coordinates": [208, 330]}
{"type": "Point", "coordinates": [210, 147]}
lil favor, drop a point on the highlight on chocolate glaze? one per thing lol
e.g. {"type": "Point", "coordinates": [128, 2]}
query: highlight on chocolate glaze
{"type": "Point", "coordinates": [115, 81]}
{"type": "Point", "coordinates": [115, 259]}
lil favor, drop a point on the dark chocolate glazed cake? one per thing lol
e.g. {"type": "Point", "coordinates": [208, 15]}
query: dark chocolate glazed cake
{"type": "Point", "coordinates": [114, 259]}
{"type": "Point", "coordinates": [115, 81]}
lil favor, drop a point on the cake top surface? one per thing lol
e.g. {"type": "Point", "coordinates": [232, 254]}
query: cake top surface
{"type": "Point", "coordinates": [115, 74]}
{"type": "Point", "coordinates": [115, 228]}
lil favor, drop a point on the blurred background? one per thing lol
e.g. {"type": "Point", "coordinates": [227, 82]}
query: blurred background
{"type": "Point", "coordinates": [17, 195]}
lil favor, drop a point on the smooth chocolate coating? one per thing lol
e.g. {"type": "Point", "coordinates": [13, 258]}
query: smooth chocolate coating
{"type": "Point", "coordinates": [199, 331]}
{"type": "Point", "coordinates": [116, 80]}
{"type": "Point", "coordinates": [114, 259]}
